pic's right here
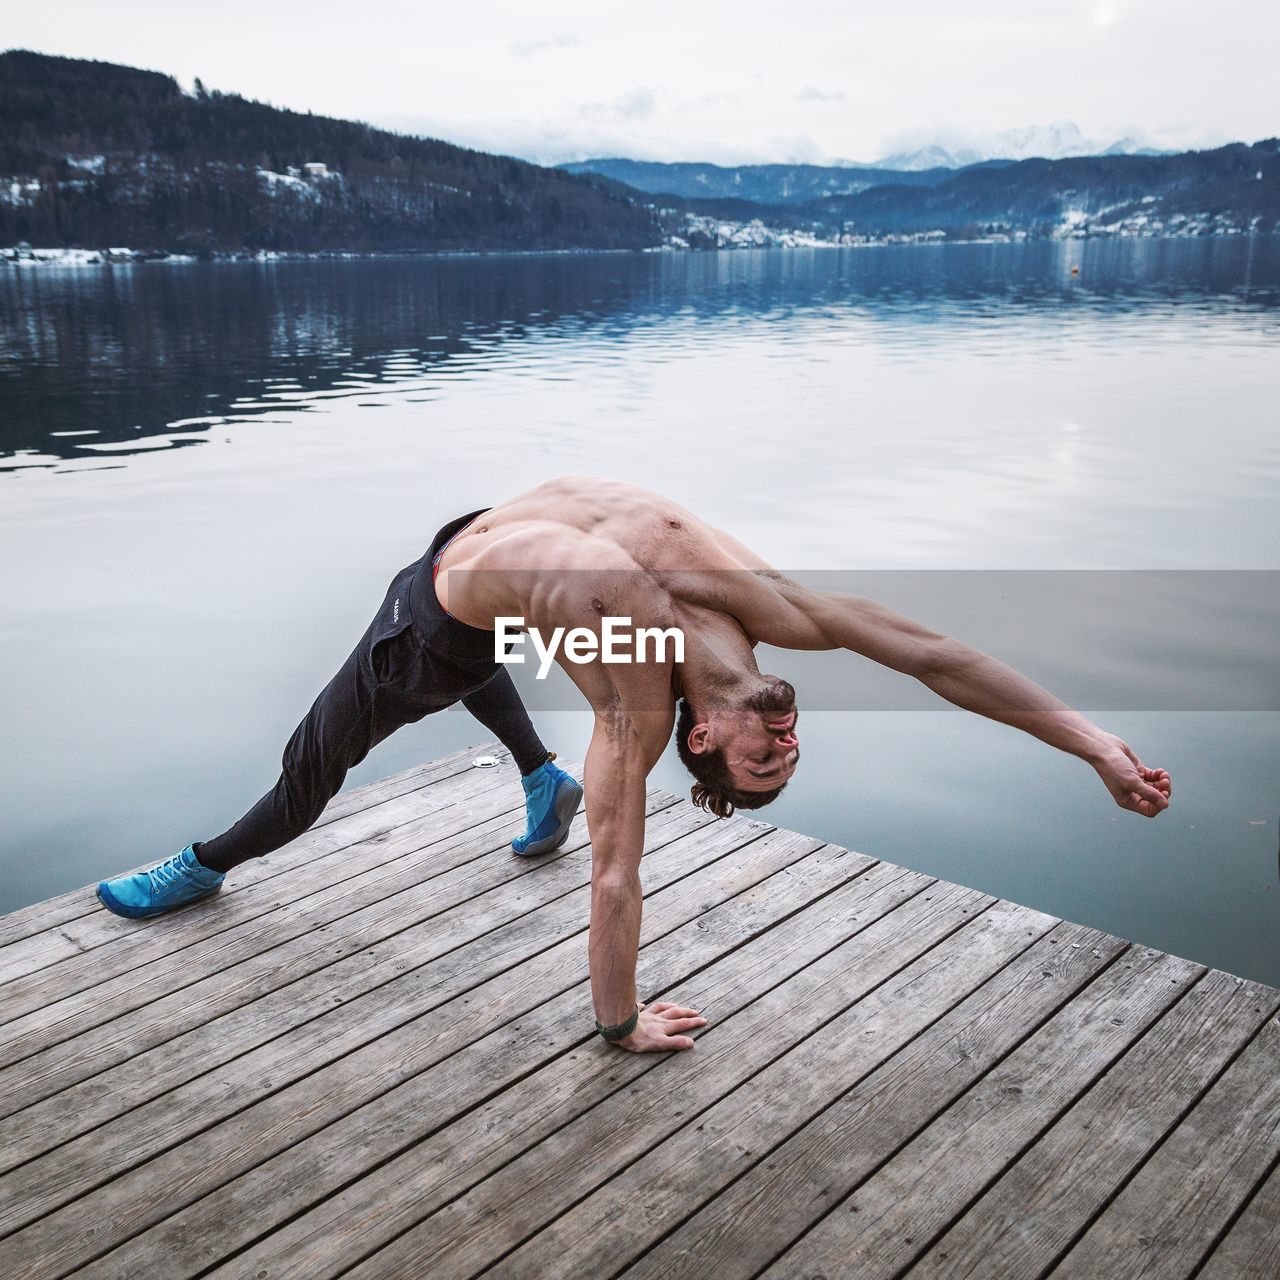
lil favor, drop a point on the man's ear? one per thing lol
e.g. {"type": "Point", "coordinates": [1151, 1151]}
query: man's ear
{"type": "Point", "coordinates": [700, 739]}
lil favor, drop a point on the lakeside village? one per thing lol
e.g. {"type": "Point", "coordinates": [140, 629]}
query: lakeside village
{"type": "Point", "coordinates": [702, 232]}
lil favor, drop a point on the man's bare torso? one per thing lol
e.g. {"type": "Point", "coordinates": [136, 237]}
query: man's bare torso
{"type": "Point", "coordinates": [578, 549]}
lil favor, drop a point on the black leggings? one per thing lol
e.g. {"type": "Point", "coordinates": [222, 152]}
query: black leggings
{"type": "Point", "coordinates": [413, 659]}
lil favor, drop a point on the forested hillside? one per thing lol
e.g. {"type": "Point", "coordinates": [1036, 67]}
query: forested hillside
{"type": "Point", "coordinates": [95, 154]}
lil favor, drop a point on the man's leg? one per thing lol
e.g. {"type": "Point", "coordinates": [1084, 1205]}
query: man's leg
{"type": "Point", "coordinates": [349, 718]}
{"type": "Point", "coordinates": [551, 795]}
{"type": "Point", "coordinates": [353, 713]}
{"type": "Point", "coordinates": [497, 706]}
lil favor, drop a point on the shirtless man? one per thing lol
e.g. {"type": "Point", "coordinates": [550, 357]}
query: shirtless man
{"type": "Point", "coordinates": [568, 554]}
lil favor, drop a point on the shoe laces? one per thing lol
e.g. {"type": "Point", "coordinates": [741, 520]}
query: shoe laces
{"type": "Point", "coordinates": [167, 872]}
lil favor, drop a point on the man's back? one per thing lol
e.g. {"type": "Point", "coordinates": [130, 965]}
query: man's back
{"type": "Point", "coordinates": [596, 538]}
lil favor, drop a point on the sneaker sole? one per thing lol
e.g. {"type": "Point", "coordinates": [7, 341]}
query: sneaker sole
{"type": "Point", "coordinates": [116, 907]}
{"type": "Point", "coordinates": [567, 802]}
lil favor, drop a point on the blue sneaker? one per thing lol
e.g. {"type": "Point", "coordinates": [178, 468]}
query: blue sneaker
{"type": "Point", "coordinates": [551, 798]}
{"type": "Point", "coordinates": [149, 893]}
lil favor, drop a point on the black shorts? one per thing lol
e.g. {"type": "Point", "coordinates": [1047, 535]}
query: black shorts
{"type": "Point", "coordinates": [415, 650]}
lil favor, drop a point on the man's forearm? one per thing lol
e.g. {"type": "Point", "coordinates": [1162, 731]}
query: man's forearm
{"type": "Point", "coordinates": [616, 904]}
{"type": "Point", "coordinates": [982, 684]}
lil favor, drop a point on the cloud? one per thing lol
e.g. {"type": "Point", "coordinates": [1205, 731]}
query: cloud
{"type": "Point", "coordinates": [810, 94]}
{"type": "Point", "coordinates": [635, 105]}
{"type": "Point", "coordinates": [528, 48]}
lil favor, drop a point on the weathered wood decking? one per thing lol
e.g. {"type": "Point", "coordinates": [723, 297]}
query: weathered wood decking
{"type": "Point", "coordinates": [371, 1055]}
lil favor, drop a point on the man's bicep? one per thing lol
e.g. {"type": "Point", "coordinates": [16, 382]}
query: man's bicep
{"type": "Point", "coordinates": [774, 610]}
{"type": "Point", "coordinates": [796, 617]}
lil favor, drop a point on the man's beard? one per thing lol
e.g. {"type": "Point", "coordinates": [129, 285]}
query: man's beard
{"type": "Point", "coordinates": [777, 697]}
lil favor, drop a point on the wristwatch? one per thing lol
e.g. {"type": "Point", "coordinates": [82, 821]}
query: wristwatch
{"type": "Point", "coordinates": [622, 1030]}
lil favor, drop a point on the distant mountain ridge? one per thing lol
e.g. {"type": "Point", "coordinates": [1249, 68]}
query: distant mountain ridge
{"type": "Point", "coordinates": [94, 154]}
{"type": "Point", "coordinates": [1060, 140]}
{"type": "Point", "coordinates": [929, 166]}
{"type": "Point", "coordinates": [762, 183]}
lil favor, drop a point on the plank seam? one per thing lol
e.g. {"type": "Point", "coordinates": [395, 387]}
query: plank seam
{"type": "Point", "coordinates": [764, 1155]}
{"type": "Point", "coordinates": [568, 1049]}
{"type": "Point", "coordinates": [1056, 1261]}
{"type": "Point", "coordinates": [277, 870]}
{"type": "Point", "coordinates": [640, 1155]}
{"type": "Point", "coordinates": [1053, 1119]}
{"type": "Point", "coordinates": [1235, 1217]}
{"type": "Point", "coordinates": [125, 936]}
{"type": "Point", "coordinates": [197, 976]}
{"type": "Point", "coordinates": [751, 838]}
{"type": "Point", "coordinates": [320, 822]}
{"type": "Point", "coordinates": [519, 871]}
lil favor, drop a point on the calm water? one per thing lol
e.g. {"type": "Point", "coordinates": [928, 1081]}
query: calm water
{"type": "Point", "coordinates": [208, 474]}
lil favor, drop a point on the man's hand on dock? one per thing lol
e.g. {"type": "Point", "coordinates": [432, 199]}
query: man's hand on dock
{"type": "Point", "coordinates": [659, 1028]}
{"type": "Point", "coordinates": [1132, 785]}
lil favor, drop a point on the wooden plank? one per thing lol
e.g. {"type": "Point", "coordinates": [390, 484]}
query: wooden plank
{"type": "Point", "coordinates": [754, 938]}
{"type": "Point", "coordinates": [456, 1156]}
{"type": "Point", "coordinates": [402, 1003]}
{"type": "Point", "coordinates": [1169, 1216]}
{"type": "Point", "coordinates": [950, 1156]}
{"type": "Point", "coordinates": [54, 1013]}
{"type": "Point", "coordinates": [836, 1125]}
{"type": "Point", "coordinates": [1251, 1249]}
{"type": "Point", "coordinates": [100, 945]}
{"type": "Point", "coordinates": [422, 926]}
{"type": "Point", "coordinates": [419, 858]}
{"type": "Point", "coordinates": [844, 1003]}
{"type": "Point", "coordinates": [118, 1019]}
{"type": "Point", "coordinates": [52, 912]}
{"type": "Point", "coordinates": [1031, 1214]}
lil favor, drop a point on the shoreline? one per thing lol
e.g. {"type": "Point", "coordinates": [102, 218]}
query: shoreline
{"type": "Point", "coordinates": [26, 256]}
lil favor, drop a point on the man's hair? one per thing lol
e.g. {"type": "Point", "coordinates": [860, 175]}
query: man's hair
{"type": "Point", "coordinates": [713, 789]}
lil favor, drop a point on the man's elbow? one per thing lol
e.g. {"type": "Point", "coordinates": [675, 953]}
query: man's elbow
{"type": "Point", "coordinates": [938, 658]}
{"type": "Point", "coordinates": [614, 884]}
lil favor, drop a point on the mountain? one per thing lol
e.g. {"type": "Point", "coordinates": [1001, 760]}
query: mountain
{"type": "Point", "coordinates": [1233, 187]}
{"type": "Point", "coordinates": [957, 149]}
{"type": "Point", "coordinates": [95, 154]}
{"type": "Point", "coordinates": [763, 183]}
{"type": "Point", "coordinates": [930, 156]}
{"type": "Point", "coordinates": [1229, 190]}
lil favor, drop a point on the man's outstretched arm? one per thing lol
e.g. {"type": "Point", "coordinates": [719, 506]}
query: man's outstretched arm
{"type": "Point", "coordinates": [965, 676]}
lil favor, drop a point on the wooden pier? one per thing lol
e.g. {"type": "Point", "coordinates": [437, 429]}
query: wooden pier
{"type": "Point", "coordinates": [372, 1055]}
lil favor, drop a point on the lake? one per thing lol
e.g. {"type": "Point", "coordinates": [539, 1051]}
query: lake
{"type": "Point", "coordinates": [1066, 453]}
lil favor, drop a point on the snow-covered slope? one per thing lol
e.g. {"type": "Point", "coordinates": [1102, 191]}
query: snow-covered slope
{"type": "Point", "coordinates": [955, 148]}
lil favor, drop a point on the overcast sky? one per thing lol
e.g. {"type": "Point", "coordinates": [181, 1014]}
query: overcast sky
{"type": "Point", "coordinates": [730, 82]}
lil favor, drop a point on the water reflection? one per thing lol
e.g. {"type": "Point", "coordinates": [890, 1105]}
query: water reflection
{"type": "Point", "coordinates": [166, 623]}
{"type": "Point", "coordinates": [124, 360]}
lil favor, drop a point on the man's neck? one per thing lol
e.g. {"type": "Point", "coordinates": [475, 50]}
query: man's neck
{"type": "Point", "coordinates": [719, 667]}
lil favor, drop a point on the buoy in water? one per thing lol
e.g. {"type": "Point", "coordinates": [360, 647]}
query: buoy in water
{"type": "Point", "coordinates": [1075, 271]}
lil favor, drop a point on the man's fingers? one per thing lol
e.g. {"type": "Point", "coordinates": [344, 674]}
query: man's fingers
{"type": "Point", "coordinates": [1158, 778]}
{"type": "Point", "coordinates": [683, 1024]}
{"type": "Point", "coordinates": [1144, 791]}
{"type": "Point", "coordinates": [678, 1011]}
{"type": "Point", "coordinates": [1148, 808]}
{"type": "Point", "coordinates": [679, 1042]}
